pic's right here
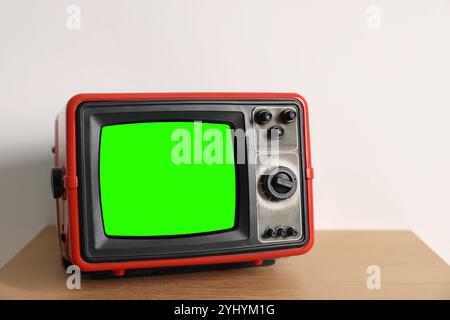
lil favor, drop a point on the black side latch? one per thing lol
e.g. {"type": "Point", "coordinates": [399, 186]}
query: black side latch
{"type": "Point", "coordinates": [57, 183]}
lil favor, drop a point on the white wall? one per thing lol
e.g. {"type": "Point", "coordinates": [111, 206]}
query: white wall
{"type": "Point", "coordinates": [379, 99]}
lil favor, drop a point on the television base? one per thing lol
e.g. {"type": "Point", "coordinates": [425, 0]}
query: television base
{"type": "Point", "coordinates": [172, 270]}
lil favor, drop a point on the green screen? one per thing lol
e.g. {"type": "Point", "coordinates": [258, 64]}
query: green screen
{"type": "Point", "coordinates": [166, 178]}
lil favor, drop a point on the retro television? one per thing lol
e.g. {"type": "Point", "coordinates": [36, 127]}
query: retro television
{"type": "Point", "coordinates": [164, 180]}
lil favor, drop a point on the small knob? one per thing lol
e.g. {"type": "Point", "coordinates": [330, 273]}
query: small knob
{"type": "Point", "coordinates": [281, 232]}
{"type": "Point", "coordinates": [270, 233]}
{"type": "Point", "coordinates": [288, 116]}
{"type": "Point", "coordinates": [263, 117]}
{"type": "Point", "coordinates": [291, 231]}
{"type": "Point", "coordinates": [275, 132]}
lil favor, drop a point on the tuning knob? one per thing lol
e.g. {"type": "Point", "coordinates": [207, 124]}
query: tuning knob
{"type": "Point", "coordinates": [263, 117]}
{"type": "Point", "coordinates": [279, 183]}
{"type": "Point", "coordinates": [275, 132]}
{"type": "Point", "coordinates": [281, 232]}
{"type": "Point", "coordinates": [288, 116]}
{"type": "Point", "coordinates": [291, 231]}
{"type": "Point", "coordinates": [270, 233]}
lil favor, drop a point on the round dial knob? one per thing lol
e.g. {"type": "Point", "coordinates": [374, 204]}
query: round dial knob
{"type": "Point", "coordinates": [280, 183]}
{"type": "Point", "coordinates": [263, 117]}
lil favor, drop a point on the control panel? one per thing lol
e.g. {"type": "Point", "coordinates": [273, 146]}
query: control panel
{"type": "Point", "coordinates": [277, 165]}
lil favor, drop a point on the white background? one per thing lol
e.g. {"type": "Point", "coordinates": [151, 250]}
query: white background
{"type": "Point", "coordinates": [379, 99]}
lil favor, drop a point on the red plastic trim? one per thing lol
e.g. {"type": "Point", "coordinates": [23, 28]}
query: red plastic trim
{"type": "Point", "coordinates": [70, 182]}
{"type": "Point", "coordinates": [309, 173]}
{"type": "Point", "coordinates": [73, 245]}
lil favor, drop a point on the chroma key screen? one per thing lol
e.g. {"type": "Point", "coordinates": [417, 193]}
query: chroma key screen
{"type": "Point", "coordinates": [183, 195]}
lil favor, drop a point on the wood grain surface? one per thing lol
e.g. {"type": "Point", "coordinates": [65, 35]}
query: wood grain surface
{"type": "Point", "coordinates": [334, 269]}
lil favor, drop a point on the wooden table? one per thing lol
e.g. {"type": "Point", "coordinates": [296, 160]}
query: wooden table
{"type": "Point", "coordinates": [334, 269]}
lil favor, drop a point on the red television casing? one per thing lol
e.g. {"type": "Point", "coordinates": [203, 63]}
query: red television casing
{"type": "Point", "coordinates": [65, 157]}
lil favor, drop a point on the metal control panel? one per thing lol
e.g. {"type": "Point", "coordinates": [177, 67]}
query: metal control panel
{"type": "Point", "coordinates": [277, 165]}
